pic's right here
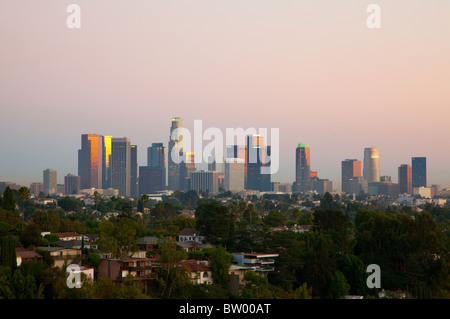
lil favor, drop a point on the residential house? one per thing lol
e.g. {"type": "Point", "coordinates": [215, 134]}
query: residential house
{"type": "Point", "coordinates": [136, 268]}
{"type": "Point", "coordinates": [61, 255]}
{"type": "Point", "coordinates": [198, 271]}
{"type": "Point", "coordinates": [259, 262]}
{"type": "Point", "coordinates": [68, 236]}
{"type": "Point", "coordinates": [23, 255]}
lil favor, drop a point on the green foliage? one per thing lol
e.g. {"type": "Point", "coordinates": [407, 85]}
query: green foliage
{"type": "Point", "coordinates": [8, 202]}
{"type": "Point", "coordinates": [220, 262]}
{"type": "Point", "coordinates": [31, 235]}
{"type": "Point", "coordinates": [214, 221]}
{"type": "Point", "coordinates": [275, 218]}
{"type": "Point", "coordinates": [338, 286]}
{"type": "Point", "coordinates": [8, 252]}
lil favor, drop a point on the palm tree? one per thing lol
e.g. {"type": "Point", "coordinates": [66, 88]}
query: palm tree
{"type": "Point", "coordinates": [144, 200]}
{"type": "Point", "coordinates": [24, 194]}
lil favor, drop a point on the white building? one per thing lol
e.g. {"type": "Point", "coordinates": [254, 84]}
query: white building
{"type": "Point", "coordinates": [234, 175]}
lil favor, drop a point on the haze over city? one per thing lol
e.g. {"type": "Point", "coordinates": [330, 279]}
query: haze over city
{"type": "Point", "coordinates": [310, 68]}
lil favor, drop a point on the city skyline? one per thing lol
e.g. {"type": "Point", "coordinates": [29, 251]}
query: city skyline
{"type": "Point", "coordinates": [312, 69]}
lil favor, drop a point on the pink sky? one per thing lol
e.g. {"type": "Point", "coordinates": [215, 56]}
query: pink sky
{"type": "Point", "coordinates": [310, 68]}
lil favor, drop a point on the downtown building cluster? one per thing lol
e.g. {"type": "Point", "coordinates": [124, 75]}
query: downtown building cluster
{"type": "Point", "coordinates": [109, 165]}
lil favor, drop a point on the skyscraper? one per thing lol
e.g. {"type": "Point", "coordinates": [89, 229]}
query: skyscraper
{"type": "Point", "coordinates": [156, 155]}
{"type": "Point", "coordinates": [121, 165]}
{"type": "Point", "coordinates": [50, 181]}
{"type": "Point", "coordinates": [234, 168]}
{"type": "Point", "coordinates": [257, 157]}
{"type": "Point", "coordinates": [351, 168]}
{"type": "Point", "coordinates": [371, 171]}
{"type": "Point", "coordinates": [405, 179]}
{"type": "Point", "coordinates": [204, 181]}
{"type": "Point", "coordinates": [72, 184]}
{"type": "Point", "coordinates": [91, 156]}
{"type": "Point", "coordinates": [187, 166]}
{"type": "Point", "coordinates": [106, 175]}
{"type": "Point", "coordinates": [133, 172]}
{"type": "Point", "coordinates": [419, 171]}
{"type": "Point", "coordinates": [174, 156]}
{"type": "Point", "coordinates": [302, 168]}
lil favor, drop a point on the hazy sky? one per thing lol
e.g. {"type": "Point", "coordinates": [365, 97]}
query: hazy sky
{"type": "Point", "coordinates": [311, 68]}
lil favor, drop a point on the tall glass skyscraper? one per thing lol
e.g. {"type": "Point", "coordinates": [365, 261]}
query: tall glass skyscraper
{"type": "Point", "coordinates": [257, 156]}
{"type": "Point", "coordinates": [121, 165]}
{"type": "Point", "coordinates": [106, 161]}
{"type": "Point", "coordinates": [302, 168]}
{"type": "Point", "coordinates": [91, 158]}
{"type": "Point", "coordinates": [174, 156]}
{"type": "Point", "coordinates": [50, 181]}
{"type": "Point", "coordinates": [371, 171]}
{"type": "Point", "coordinates": [351, 168]}
{"type": "Point", "coordinates": [419, 171]}
{"type": "Point", "coordinates": [405, 179]}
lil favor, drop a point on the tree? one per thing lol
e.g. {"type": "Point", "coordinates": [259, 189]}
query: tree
{"type": "Point", "coordinates": [338, 286]}
{"type": "Point", "coordinates": [8, 253]}
{"type": "Point", "coordinates": [171, 274]}
{"type": "Point", "coordinates": [31, 235]}
{"type": "Point", "coordinates": [214, 221]}
{"type": "Point", "coordinates": [24, 194]}
{"type": "Point", "coordinates": [220, 262]}
{"type": "Point", "coordinates": [9, 202]}
{"type": "Point", "coordinates": [275, 218]}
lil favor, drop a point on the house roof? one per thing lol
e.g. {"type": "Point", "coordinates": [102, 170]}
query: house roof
{"type": "Point", "coordinates": [27, 254]}
{"type": "Point", "coordinates": [47, 248]}
{"type": "Point", "coordinates": [67, 234]}
{"type": "Point", "coordinates": [189, 232]}
{"type": "Point", "coordinates": [195, 265]}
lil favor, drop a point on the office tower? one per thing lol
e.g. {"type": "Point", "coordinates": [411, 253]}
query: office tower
{"type": "Point", "coordinates": [405, 179]}
{"type": "Point", "coordinates": [133, 172]}
{"type": "Point", "coordinates": [215, 165]}
{"type": "Point", "coordinates": [50, 181]}
{"type": "Point", "coordinates": [36, 188]}
{"type": "Point", "coordinates": [358, 185]}
{"type": "Point", "coordinates": [321, 186]}
{"type": "Point", "coordinates": [234, 175]}
{"type": "Point", "coordinates": [91, 161]}
{"type": "Point", "coordinates": [204, 181]}
{"type": "Point", "coordinates": [419, 171]}
{"type": "Point", "coordinates": [156, 155]}
{"type": "Point", "coordinates": [350, 169]}
{"type": "Point", "coordinates": [72, 184]}
{"type": "Point", "coordinates": [187, 166]}
{"type": "Point", "coordinates": [371, 171]}
{"type": "Point", "coordinates": [302, 168]}
{"type": "Point", "coordinates": [106, 175]}
{"type": "Point", "coordinates": [257, 157]}
{"type": "Point", "coordinates": [175, 152]}
{"type": "Point", "coordinates": [121, 165]}
{"type": "Point", "coordinates": [151, 179]}
{"type": "Point", "coordinates": [156, 158]}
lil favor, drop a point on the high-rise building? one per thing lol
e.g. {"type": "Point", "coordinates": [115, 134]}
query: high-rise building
{"type": "Point", "coordinates": [371, 171]}
{"type": "Point", "coordinates": [106, 175]}
{"type": "Point", "coordinates": [91, 157]}
{"type": "Point", "coordinates": [174, 156]}
{"type": "Point", "coordinates": [321, 186]}
{"type": "Point", "coordinates": [257, 157]}
{"type": "Point", "coordinates": [405, 179]}
{"type": "Point", "coordinates": [50, 181]}
{"type": "Point", "coordinates": [72, 184]}
{"type": "Point", "coordinates": [187, 166]}
{"type": "Point", "coordinates": [36, 188]}
{"type": "Point", "coordinates": [151, 179]}
{"type": "Point", "coordinates": [156, 155]}
{"type": "Point", "coordinates": [351, 168]}
{"type": "Point", "coordinates": [302, 169]}
{"type": "Point", "coordinates": [133, 172]}
{"type": "Point", "coordinates": [204, 181]}
{"type": "Point", "coordinates": [419, 171]}
{"type": "Point", "coordinates": [121, 165]}
{"type": "Point", "coordinates": [234, 175]}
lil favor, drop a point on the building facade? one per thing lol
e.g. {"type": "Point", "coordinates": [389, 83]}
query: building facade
{"type": "Point", "coordinates": [302, 168]}
{"type": "Point", "coordinates": [371, 171]}
{"type": "Point", "coordinates": [405, 179]}
{"type": "Point", "coordinates": [419, 171]}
